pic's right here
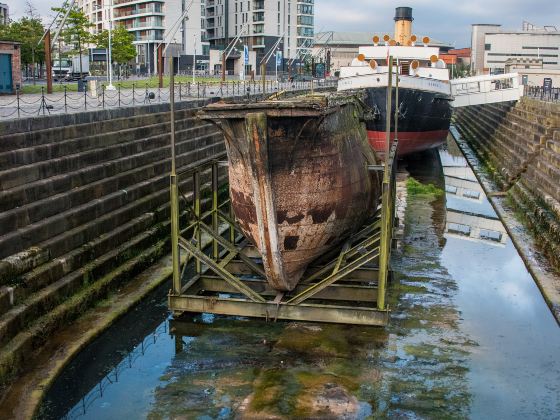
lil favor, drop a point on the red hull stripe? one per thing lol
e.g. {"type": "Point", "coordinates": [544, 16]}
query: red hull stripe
{"type": "Point", "coordinates": [409, 141]}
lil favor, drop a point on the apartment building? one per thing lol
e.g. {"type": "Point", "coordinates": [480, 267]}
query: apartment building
{"type": "Point", "coordinates": [152, 22]}
{"type": "Point", "coordinates": [492, 46]}
{"type": "Point", "coordinates": [4, 14]}
{"type": "Point", "coordinates": [262, 23]}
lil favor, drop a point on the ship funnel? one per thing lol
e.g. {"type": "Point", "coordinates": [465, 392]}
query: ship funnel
{"type": "Point", "coordinates": [403, 25]}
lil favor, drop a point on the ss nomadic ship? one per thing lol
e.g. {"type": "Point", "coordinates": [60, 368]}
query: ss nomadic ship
{"type": "Point", "coordinates": [298, 176]}
{"type": "Point", "coordinates": [424, 107]}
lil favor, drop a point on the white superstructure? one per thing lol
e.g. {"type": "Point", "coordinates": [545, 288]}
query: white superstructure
{"type": "Point", "coordinates": [418, 67]}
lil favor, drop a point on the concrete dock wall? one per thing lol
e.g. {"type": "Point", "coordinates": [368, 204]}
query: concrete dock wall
{"type": "Point", "coordinates": [520, 146]}
{"type": "Point", "coordinates": [83, 208]}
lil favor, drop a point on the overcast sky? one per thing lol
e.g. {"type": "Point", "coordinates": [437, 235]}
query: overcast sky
{"type": "Point", "coordinates": [445, 20]}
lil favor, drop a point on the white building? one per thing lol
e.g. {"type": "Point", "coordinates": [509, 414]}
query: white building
{"type": "Point", "coordinates": [492, 46]}
{"type": "Point", "coordinates": [263, 22]}
{"type": "Point", "coordinates": [151, 21]}
{"type": "Point", "coordinates": [4, 14]}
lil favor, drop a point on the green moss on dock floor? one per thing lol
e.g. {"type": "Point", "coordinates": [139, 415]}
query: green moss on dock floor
{"type": "Point", "coordinates": [415, 187]}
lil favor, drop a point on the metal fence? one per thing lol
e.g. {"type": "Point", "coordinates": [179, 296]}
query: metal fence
{"type": "Point", "coordinates": [29, 105]}
{"type": "Point", "coordinates": [542, 93]}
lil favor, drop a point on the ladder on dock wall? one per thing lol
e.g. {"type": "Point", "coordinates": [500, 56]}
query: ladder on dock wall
{"type": "Point", "coordinates": [485, 89]}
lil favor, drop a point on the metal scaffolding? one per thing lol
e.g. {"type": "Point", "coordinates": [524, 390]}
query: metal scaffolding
{"type": "Point", "coordinates": [345, 286]}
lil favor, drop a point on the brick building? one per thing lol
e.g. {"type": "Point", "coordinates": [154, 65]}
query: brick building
{"type": "Point", "coordinates": [10, 67]}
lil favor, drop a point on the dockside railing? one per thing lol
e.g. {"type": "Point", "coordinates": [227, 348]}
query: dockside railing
{"type": "Point", "coordinates": [542, 93]}
{"type": "Point", "coordinates": [67, 101]}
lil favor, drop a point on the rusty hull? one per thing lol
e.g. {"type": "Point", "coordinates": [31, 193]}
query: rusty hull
{"type": "Point", "coordinates": [298, 177]}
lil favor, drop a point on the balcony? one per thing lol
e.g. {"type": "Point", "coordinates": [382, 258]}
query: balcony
{"type": "Point", "coordinates": [123, 14]}
{"type": "Point", "coordinates": [148, 24]}
{"type": "Point", "coordinates": [149, 38]}
{"type": "Point", "coordinates": [258, 5]}
{"type": "Point", "coordinates": [122, 2]}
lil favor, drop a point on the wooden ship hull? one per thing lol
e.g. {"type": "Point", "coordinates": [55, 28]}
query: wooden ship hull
{"type": "Point", "coordinates": [298, 177]}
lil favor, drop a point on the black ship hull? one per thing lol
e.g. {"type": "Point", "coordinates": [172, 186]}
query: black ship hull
{"type": "Point", "coordinates": [424, 119]}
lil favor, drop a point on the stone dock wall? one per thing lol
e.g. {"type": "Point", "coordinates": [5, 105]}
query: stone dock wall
{"type": "Point", "coordinates": [83, 209]}
{"type": "Point", "coordinates": [520, 145]}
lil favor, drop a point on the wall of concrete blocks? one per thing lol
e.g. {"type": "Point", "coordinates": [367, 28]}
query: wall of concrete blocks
{"type": "Point", "coordinates": [520, 145]}
{"type": "Point", "coordinates": [83, 209]}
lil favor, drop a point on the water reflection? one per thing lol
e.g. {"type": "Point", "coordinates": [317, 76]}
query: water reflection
{"type": "Point", "coordinates": [470, 336]}
{"type": "Point", "coordinates": [469, 214]}
{"type": "Point", "coordinates": [515, 370]}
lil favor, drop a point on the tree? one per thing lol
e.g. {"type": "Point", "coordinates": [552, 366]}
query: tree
{"type": "Point", "coordinates": [122, 47]}
{"type": "Point", "coordinates": [28, 31]}
{"type": "Point", "coordinates": [75, 29]}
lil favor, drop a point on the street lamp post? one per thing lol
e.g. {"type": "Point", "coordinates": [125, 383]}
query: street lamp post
{"type": "Point", "coordinates": [110, 58]}
{"type": "Point", "coordinates": [194, 60]}
{"type": "Point", "coordinates": [276, 64]}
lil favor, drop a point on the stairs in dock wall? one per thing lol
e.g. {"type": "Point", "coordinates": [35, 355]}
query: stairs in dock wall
{"type": "Point", "coordinates": [83, 208]}
{"type": "Point", "coordinates": [520, 144]}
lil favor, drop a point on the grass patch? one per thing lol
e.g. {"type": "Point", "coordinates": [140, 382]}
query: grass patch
{"type": "Point", "coordinates": [415, 187]}
{"type": "Point", "coordinates": [152, 83]}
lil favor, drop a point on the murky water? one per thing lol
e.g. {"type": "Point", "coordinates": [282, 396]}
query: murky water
{"type": "Point", "coordinates": [470, 336]}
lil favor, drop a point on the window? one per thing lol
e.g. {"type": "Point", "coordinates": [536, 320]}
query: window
{"type": "Point", "coordinates": [305, 20]}
{"type": "Point", "coordinates": [490, 235]}
{"type": "Point", "coordinates": [471, 194]}
{"type": "Point", "coordinates": [305, 9]}
{"type": "Point", "coordinates": [541, 48]}
{"type": "Point", "coordinates": [487, 47]}
{"type": "Point", "coordinates": [459, 229]}
{"type": "Point", "coordinates": [305, 31]}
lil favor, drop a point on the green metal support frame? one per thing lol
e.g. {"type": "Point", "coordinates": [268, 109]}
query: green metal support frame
{"type": "Point", "coordinates": [229, 280]}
